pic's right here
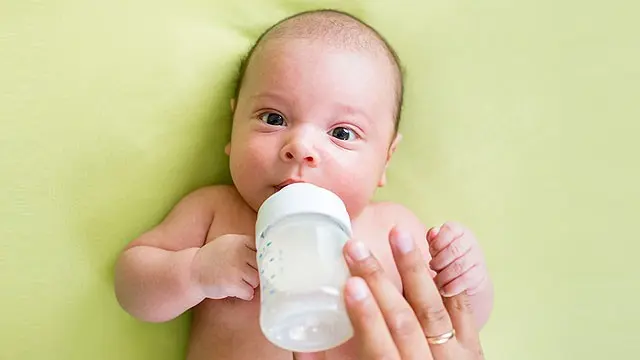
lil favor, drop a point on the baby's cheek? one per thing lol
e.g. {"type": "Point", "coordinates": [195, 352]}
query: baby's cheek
{"type": "Point", "coordinates": [258, 154]}
{"type": "Point", "coordinates": [355, 190]}
{"type": "Point", "coordinates": [246, 159]}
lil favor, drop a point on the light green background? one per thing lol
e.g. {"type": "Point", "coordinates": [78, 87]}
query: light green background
{"type": "Point", "coordinates": [522, 121]}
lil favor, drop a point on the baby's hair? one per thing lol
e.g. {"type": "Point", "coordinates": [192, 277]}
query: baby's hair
{"type": "Point", "coordinates": [337, 28]}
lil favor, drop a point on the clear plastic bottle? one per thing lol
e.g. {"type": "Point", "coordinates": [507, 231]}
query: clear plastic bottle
{"type": "Point", "coordinates": [300, 233]}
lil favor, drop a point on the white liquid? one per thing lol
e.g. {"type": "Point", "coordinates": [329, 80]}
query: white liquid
{"type": "Point", "coordinates": [302, 275]}
{"type": "Point", "coordinates": [306, 322]}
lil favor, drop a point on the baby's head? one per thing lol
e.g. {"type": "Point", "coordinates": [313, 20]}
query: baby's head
{"type": "Point", "coordinates": [318, 100]}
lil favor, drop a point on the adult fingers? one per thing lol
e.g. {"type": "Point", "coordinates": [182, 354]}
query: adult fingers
{"type": "Point", "coordinates": [398, 315]}
{"type": "Point", "coordinates": [422, 294]}
{"type": "Point", "coordinates": [310, 356]}
{"type": "Point", "coordinates": [461, 313]}
{"type": "Point", "coordinates": [373, 337]}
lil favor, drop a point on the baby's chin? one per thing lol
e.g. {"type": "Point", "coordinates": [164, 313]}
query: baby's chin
{"type": "Point", "coordinates": [255, 199]}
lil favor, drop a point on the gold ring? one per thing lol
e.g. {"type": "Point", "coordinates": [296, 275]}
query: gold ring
{"type": "Point", "coordinates": [441, 339]}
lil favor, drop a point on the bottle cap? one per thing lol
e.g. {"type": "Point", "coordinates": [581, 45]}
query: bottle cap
{"type": "Point", "coordinates": [301, 198]}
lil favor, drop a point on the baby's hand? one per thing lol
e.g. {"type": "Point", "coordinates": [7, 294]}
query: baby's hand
{"type": "Point", "coordinates": [457, 259]}
{"type": "Point", "coordinates": [227, 267]}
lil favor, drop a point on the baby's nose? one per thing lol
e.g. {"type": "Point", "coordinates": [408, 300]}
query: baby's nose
{"type": "Point", "coordinates": [301, 153]}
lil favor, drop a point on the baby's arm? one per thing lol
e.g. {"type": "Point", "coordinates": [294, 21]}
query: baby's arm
{"type": "Point", "coordinates": [477, 283]}
{"type": "Point", "coordinates": [153, 276]}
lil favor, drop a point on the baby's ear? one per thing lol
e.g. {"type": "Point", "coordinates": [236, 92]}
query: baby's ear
{"type": "Point", "coordinates": [232, 104]}
{"type": "Point", "coordinates": [394, 146]}
{"type": "Point", "coordinates": [392, 149]}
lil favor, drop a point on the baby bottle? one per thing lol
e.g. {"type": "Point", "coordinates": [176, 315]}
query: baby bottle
{"type": "Point", "coordinates": [300, 232]}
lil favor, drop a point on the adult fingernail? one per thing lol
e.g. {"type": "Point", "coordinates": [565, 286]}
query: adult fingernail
{"type": "Point", "coordinates": [358, 251]}
{"type": "Point", "coordinates": [357, 289]}
{"type": "Point", "coordinates": [404, 242]}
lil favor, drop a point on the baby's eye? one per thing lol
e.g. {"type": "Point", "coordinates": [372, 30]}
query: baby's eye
{"type": "Point", "coordinates": [272, 118]}
{"type": "Point", "coordinates": [343, 133]}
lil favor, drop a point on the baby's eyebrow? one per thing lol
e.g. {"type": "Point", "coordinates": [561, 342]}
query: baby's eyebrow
{"type": "Point", "coordinates": [268, 95]}
{"type": "Point", "coordinates": [353, 111]}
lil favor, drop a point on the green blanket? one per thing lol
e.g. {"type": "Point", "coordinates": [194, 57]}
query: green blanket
{"type": "Point", "coordinates": [521, 121]}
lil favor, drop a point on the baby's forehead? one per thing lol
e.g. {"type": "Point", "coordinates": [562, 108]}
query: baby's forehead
{"type": "Point", "coordinates": [337, 31]}
{"type": "Point", "coordinates": [282, 49]}
{"type": "Point", "coordinates": [322, 28]}
{"type": "Point", "coordinates": [281, 53]}
{"type": "Point", "coordinates": [333, 29]}
{"type": "Point", "coordinates": [285, 61]}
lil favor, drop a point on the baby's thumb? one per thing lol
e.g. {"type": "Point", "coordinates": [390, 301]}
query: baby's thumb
{"type": "Point", "coordinates": [250, 241]}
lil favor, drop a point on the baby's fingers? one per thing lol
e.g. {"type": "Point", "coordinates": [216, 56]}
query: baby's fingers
{"type": "Point", "coordinates": [456, 249]}
{"type": "Point", "coordinates": [440, 238]}
{"type": "Point", "coordinates": [250, 258]}
{"type": "Point", "coordinates": [454, 270]}
{"type": "Point", "coordinates": [242, 290]}
{"type": "Point", "coordinates": [251, 276]}
{"type": "Point", "coordinates": [471, 279]}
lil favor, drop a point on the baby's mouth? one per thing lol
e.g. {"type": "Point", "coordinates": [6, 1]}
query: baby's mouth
{"type": "Point", "coordinates": [286, 183]}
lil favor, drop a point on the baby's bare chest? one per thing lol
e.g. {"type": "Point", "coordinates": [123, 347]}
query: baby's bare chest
{"type": "Point", "coordinates": [234, 218]}
{"type": "Point", "coordinates": [238, 218]}
{"type": "Point", "coordinates": [229, 328]}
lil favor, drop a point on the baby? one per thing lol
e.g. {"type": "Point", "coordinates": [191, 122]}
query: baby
{"type": "Point", "coordinates": [318, 101]}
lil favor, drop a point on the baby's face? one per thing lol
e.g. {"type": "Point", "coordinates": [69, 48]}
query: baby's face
{"type": "Point", "coordinates": [311, 112]}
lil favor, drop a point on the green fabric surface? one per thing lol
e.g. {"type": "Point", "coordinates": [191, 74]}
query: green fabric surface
{"type": "Point", "coordinates": [521, 121]}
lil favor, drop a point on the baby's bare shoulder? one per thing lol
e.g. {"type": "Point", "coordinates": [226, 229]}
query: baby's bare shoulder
{"type": "Point", "coordinates": [393, 213]}
{"type": "Point", "coordinates": [188, 222]}
{"type": "Point", "coordinates": [397, 215]}
{"type": "Point", "coordinates": [212, 197]}
{"type": "Point", "coordinates": [214, 191]}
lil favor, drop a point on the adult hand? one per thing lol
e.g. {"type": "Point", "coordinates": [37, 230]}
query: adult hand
{"type": "Point", "coordinates": [418, 325]}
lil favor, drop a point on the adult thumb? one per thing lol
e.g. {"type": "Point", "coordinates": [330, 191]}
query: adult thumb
{"type": "Point", "coordinates": [310, 356]}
